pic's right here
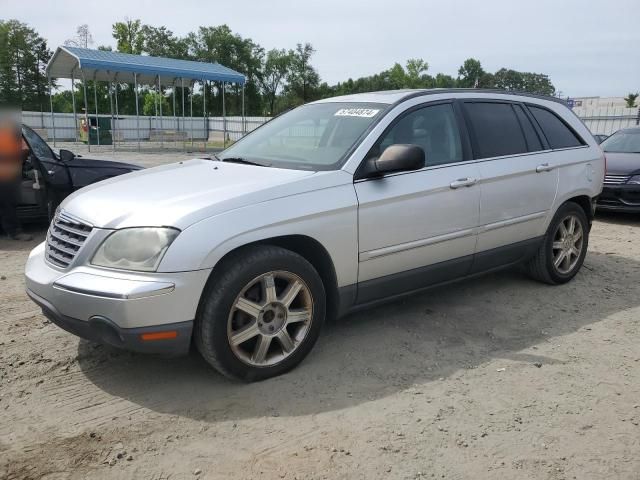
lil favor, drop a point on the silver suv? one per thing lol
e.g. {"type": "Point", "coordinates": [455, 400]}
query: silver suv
{"type": "Point", "coordinates": [333, 206]}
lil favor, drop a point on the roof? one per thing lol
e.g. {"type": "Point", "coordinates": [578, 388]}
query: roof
{"type": "Point", "coordinates": [383, 96]}
{"type": "Point", "coordinates": [110, 66]}
{"type": "Point", "coordinates": [394, 96]}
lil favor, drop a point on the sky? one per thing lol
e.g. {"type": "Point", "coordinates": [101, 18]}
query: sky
{"type": "Point", "coordinates": [587, 47]}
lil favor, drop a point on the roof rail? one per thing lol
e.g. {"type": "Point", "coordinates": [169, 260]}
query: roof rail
{"type": "Point", "coordinates": [434, 91]}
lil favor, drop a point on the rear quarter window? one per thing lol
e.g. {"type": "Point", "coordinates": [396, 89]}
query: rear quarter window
{"type": "Point", "coordinates": [558, 133]}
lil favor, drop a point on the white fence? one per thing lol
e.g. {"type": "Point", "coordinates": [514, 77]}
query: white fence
{"type": "Point", "coordinates": [128, 128]}
{"type": "Point", "coordinates": [606, 120]}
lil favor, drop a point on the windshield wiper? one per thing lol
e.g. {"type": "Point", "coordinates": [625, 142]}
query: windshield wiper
{"type": "Point", "coordinates": [243, 161]}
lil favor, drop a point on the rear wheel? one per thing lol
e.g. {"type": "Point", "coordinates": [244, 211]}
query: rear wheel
{"type": "Point", "coordinates": [564, 246]}
{"type": "Point", "coordinates": [262, 315]}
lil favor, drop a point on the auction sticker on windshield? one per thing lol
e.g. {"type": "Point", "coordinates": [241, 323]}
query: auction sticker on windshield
{"type": "Point", "coordinates": [357, 112]}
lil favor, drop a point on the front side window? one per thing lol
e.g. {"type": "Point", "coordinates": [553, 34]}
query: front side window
{"type": "Point", "coordinates": [495, 129]}
{"type": "Point", "coordinates": [38, 146]}
{"type": "Point", "coordinates": [433, 128]}
{"type": "Point", "coordinates": [622, 142]}
{"type": "Point", "coordinates": [311, 137]}
{"type": "Point", "coordinates": [558, 134]}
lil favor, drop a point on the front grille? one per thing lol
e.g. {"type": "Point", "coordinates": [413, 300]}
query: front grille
{"type": "Point", "coordinates": [65, 237]}
{"type": "Point", "coordinates": [615, 179]}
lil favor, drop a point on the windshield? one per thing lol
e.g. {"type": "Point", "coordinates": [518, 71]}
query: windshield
{"type": "Point", "coordinates": [622, 142]}
{"type": "Point", "coordinates": [311, 137]}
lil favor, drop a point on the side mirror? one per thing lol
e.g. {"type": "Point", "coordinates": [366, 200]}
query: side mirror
{"type": "Point", "coordinates": [400, 158]}
{"type": "Point", "coordinates": [66, 155]}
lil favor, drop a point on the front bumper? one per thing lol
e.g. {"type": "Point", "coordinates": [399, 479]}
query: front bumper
{"type": "Point", "coordinates": [623, 198]}
{"type": "Point", "coordinates": [118, 308]}
{"type": "Point", "coordinates": [102, 330]}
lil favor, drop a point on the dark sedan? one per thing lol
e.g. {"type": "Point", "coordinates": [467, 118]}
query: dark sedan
{"type": "Point", "coordinates": [48, 177]}
{"type": "Point", "coordinates": [621, 189]}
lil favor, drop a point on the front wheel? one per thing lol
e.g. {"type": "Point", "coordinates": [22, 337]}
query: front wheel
{"type": "Point", "coordinates": [563, 248]}
{"type": "Point", "coordinates": [262, 313]}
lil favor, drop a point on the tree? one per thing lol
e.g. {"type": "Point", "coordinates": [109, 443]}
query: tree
{"type": "Point", "coordinates": [277, 65]}
{"type": "Point", "coordinates": [128, 36]}
{"type": "Point", "coordinates": [472, 75]}
{"type": "Point", "coordinates": [23, 59]}
{"type": "Point", "coordinates": [151, 104]}
{"type": "Point", "coordinates": [82, 39]}
{"type": "Point", "coordinates": [416, 68]}
{"type": "Point", "coordinates": [161, 42]}
{"type": "Point", "coordinates": [396, 77]}
{"type": "Point", "coordinates": [444, 81]}
{"type": "Point", "coordinates": [275, 80]}
{"type": "Point", "coordinates": [630, 99]}
{"type": "Point", "coordinates": [219, 44]}
{"type": "Point", "coordinates": [508, 79]}
{"type": "Point", "coordinates": [303, 78]}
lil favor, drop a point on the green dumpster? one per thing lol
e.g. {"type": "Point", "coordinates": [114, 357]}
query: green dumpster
{"type": "Point", "coordinates": [97, 129]}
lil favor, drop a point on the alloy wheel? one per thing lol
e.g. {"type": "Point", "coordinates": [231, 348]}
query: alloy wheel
{"type": "Point", "coordinates": [568, 241]}
{"type": "Point", "coordinates": [270, 318]}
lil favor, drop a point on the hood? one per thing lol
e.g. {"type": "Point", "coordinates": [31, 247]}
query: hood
{"type": "Point", "coordinates": [178, 194]}
{"type": "Point", "coordinates": [84, 162]}
{"type": "Point", "coordinates": [622, 163]}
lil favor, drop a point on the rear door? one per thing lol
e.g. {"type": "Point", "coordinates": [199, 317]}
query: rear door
{"type": "Point", "coordinates": [518, 180]}
{"type": "Point", "coordinates": [418, 228]}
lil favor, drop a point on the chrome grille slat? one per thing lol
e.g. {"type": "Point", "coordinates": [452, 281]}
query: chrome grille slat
{"type": "Point", "coordinates": [65, 238]}
{"type": "Point", "coordinates": [615, 179]}
{"type": "Point", "coordinates": [59, 259]}
{"type": "Point", "coordinates": [61, 247]}
{"type": "Point", "coordinates": [57, 262]}
{"type": "Point", "coordinates": [68, 229]}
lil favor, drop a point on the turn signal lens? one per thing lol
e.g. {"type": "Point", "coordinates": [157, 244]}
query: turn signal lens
{"type": "Point", "coordinates": [147, 337]}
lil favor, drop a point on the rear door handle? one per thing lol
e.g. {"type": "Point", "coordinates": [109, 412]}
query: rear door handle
{"type": "Point", "coordinates": [545, 167]}
{"type": "Point", "coordinates": [463, 182]}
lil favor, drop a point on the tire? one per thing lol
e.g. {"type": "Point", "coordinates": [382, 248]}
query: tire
{"type": "Point", "coordinates": [253, 299]}
{"type": "Point", "coordinates": [543, 265]}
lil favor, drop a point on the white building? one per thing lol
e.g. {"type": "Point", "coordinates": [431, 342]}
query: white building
{"type": "Point", "coordinates": [599, 102]}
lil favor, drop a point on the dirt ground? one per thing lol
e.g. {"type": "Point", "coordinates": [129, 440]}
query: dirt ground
{"type": "Point", "coordinates": [494, 378]}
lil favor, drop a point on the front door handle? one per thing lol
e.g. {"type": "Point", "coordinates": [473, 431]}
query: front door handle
{"type": "Point", "coordinates": [463, 182]}
{"type": "Point", "coordinates": [544, 167]}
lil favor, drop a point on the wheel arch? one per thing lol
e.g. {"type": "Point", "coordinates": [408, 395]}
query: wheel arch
{"type": "Point", "coordinates": [582, 198]}
{"type": "Point", "coordinates": [584, 201]}
{"type": "Point", "coordinates": [307, 247]}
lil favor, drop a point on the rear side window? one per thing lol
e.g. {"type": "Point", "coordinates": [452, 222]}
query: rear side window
{"type": "Point", "coordinates": [533, 141]}
{"type": "Point", "coordinates": [496, 130]}
{"type": "Point", "coordinates": [558, 134]}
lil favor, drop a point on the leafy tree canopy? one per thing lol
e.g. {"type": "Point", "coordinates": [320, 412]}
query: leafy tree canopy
{"type": "Point", "coordinates": [276, 79]}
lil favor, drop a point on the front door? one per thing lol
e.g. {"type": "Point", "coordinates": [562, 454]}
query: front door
{"type": "Point", "coordinates": [418, 228]}
{"type": "Point", "coordinates": [54, 173]}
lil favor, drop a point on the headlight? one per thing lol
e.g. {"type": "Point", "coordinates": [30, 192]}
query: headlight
{"type": "Point", "coordinates": [634, 180]}
{"type": "Point", "coordinates": [139, 249]}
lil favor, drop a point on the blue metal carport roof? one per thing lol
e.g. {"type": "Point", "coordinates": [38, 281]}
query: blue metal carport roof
{"type": "Point", "coordinates": [111, 66]}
